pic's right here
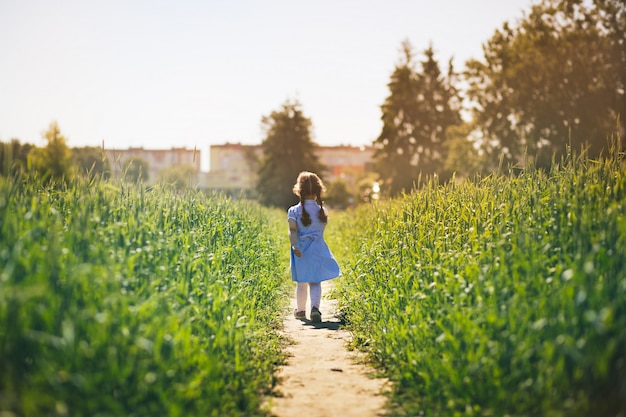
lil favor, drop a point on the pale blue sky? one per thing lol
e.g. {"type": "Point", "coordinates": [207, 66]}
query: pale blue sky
{"type": "Point", "coordinates": [193, 73]}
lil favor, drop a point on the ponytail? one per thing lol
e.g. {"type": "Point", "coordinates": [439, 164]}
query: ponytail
{"type": "Point", "coordinates": [322, 214]}
{"type": "Point", "coordinates": [306, 218]}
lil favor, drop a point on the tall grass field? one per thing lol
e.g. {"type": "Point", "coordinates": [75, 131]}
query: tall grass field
{"type": "Point", "coordinates": [120, 301]}
{"type": "Point", "coordinates": [500, 296]}
{"type": "Point", "coordinates": [503, 296]}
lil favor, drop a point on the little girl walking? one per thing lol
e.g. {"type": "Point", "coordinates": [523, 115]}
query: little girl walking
{"type": "Point", "coordinates": [311, 259]}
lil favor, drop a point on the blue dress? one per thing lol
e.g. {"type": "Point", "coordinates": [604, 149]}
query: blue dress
{"type": "Point", "coordinates": [317, 263]}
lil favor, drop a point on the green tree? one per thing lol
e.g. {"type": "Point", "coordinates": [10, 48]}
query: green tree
{"type": "Point", "coordinates": [462, 157]}
{"type": "Point", "coordinates": [420, 108]}
{"type": "Point", "coordinates": [338, 195]}
{"type": "Point", "coordinates": [14, 157]}
{"type": "Point", "coordinates": [54, 160]}
{"type": "Point", "coordinates": [91, 160]}
{"type": "Point", "coordinates": [368, 188]}
{"type": "Point", "coordinates": [288, 149]}
{"type": "Point", "coordinates": [557, 78]}
{"type": "Point", "coordinates": [136, 170]}
{"type": "Point", "coordinates": [180, 177]}
{"type": "Point", "coordinates": [610, 17]}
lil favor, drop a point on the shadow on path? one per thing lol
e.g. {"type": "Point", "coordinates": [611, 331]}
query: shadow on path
{"type": "Point", "coordinates": [328, 325]}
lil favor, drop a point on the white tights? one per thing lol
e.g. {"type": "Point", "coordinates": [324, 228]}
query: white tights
{"type": "Point", "coordinates": [315, 288]}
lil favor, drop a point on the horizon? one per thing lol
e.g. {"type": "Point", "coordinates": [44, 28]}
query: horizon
{"type": "Point", "coordinates": [205, 161]}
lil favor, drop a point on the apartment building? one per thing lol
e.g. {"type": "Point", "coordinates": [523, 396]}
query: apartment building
{"type": "Point", "coordinates": [233, 167]}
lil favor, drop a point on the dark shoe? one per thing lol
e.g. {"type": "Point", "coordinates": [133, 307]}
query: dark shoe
{"type": "Point", "coordinates": [316, 315]}
{"type": "Point", "coordinates": [300, 315]}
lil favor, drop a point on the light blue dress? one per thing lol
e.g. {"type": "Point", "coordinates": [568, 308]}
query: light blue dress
{"type": "Point", "coordinates": [317, 263]}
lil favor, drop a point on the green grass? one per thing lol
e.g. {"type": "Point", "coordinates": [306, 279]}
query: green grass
{"type": "Point", "coordinates": [119, 301]}
{"type": "Point", "coordinates": [504, 296]}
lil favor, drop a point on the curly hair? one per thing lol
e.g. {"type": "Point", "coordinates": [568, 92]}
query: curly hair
{"type": "Point", "coordinates": [308, 183]}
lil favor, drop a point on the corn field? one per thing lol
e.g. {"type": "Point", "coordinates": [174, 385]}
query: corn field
{"type": "Point", "coordinates": [119, 301]}
{"type": "Point", "coordinates": [504, 296]}
{"type": "Point", "coordinates": [500, 296]}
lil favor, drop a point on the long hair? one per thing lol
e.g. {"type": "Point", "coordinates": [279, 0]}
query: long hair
{"type": "Point", "coordinates": [309, 184]}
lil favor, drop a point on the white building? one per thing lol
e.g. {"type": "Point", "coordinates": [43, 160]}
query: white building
{"type": "Point", "coordinates": [234, 166]}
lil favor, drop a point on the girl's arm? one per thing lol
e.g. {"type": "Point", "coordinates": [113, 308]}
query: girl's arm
{"type": "Point", "coordinates": [293, 237]}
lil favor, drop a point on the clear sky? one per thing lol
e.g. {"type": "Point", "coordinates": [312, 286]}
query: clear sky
{"type": "Point", "coordinates": [191, 73]}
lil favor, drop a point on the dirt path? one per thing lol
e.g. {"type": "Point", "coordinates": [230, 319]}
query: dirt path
{"type": "Point", "coordinates": [322, 378]}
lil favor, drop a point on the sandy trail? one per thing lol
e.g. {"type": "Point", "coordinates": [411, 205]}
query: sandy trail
{"type": "Point", "coordinates": [322, 378]}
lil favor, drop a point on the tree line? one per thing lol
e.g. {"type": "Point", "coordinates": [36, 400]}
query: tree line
{"type": "Point", "coordinates": [548, 85]}
{"type": "Point", "coordinates": [58, 163]}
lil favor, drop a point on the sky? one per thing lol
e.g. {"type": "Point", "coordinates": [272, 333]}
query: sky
{"type": "Point", "coordinates": [191, 73]}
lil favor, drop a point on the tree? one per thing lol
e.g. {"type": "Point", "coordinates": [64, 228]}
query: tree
{"type": "Point", "coordinates": [338, 195]}
{"type": "Point", "coordinates": [610, 17]}
{"type": "Point", "coordinates": [555, 79]}
{"type": "Point", "coordinates": [91, 160]}
{"type": "Point", "coordinates": [14, 157]}
{"type": "Point", "coordinates": [136, 170]}
{"type": "Point", "coordinates": [368, 188]}
{"type": "Point", "coordinates": [287, 150]}
{"type": "Point", "coordinates": [54, 160]}
{"type": "Point", "coordinates": [420, 108]}
{"type": "Point", "coordinates": [180, 177]}
{"type": "Point", "coordinates": [462, 157]}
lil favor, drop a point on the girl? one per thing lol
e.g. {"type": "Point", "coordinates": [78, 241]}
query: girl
{"type": "Point", "coordinates": [311, 259]}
